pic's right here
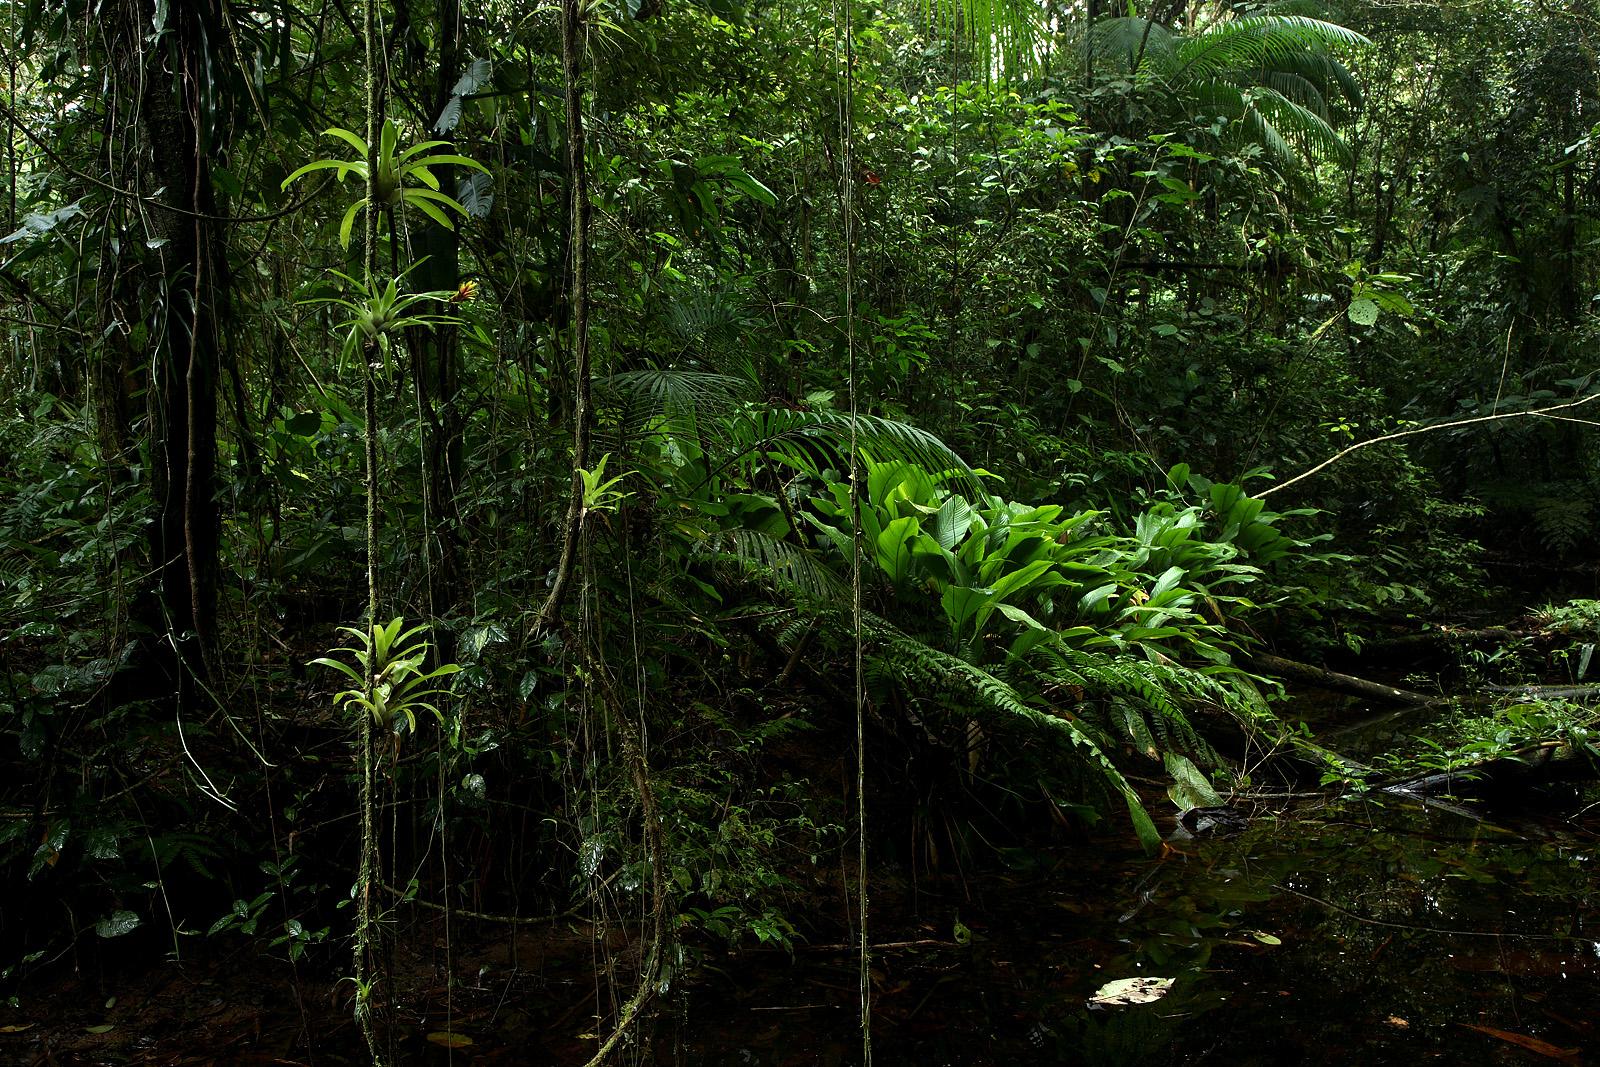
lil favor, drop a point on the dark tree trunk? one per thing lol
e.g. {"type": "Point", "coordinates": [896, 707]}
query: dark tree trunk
{"type": "Point", "coordinates": [182, 233]}
{"type": "Point", "coordinates": [437, 362]}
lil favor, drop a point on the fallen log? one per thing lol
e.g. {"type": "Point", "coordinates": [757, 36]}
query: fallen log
{"type": "Point", "coordinates": [1323, 678]}
{"type": "Point", "coordinates": [1502, 778]}
{"type": "Point", "coordinates": [1548, 692]}
{"type": "Point", "coordinates": [1450, 635]}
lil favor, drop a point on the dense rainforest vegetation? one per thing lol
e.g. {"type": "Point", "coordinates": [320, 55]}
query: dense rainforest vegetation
{"type": "Point", "coordinates": [521, 522]}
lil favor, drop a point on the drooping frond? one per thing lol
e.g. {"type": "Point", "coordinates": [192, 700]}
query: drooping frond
{"type": "Point", "coordinates": [923, 668]}
{"type": "Point", "coordinates": [1257, 42]}
{"type": "Point", "coordinates": [814, 441]}
{"type": "Point", "coordinates": [1134, 42]}
{"type": "Point", "coordinates": [1297, 88]}
{"type": "Point", "coordinates": [1266, 117]}
{"type": "Point", "coordinates": [1294, 122]}
{"type": "Point", "coordinates": [1330, 77]}
{"type": "Point", "coordinates": [787, 564]}
{"type": "Point", "coordinates": [1005, 35]}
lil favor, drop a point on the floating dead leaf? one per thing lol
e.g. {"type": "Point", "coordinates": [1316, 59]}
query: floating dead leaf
{"type": "Point", "coordinates": [1397, 1022]}
{"type": "Point", "coordinates": [447, 1039]}
{"type": "Point", "coordinates": [17, 1028]}
{"type": "Point", "coordinates": [103, 1028]}
{"type": "Point", "coordinates": [1525, 1041]}
{"type": "Point", "coordinates": [1125, 992]}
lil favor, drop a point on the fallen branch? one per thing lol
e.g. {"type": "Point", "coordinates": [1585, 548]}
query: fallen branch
{"type": "Point", "coordinates": [1549, 692]}
{"type": "Point", "coordinates": [1450, 635]}
{"type": "Point", "coordinates": [1323, 678]}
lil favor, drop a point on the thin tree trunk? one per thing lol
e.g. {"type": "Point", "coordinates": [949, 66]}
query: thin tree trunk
{"type": "Point", "coordinates": [367, 953]}
{"type": "Point", "coordinates": [578, 208]}
{"type": "Point", "coordinates": [437, 367]}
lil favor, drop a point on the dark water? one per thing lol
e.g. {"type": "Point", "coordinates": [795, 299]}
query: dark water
{"type": "Point", "coordinates": [1370, 930]}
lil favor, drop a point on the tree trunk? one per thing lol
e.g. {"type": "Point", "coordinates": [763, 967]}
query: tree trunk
{"type": "Point", "coordinates": [180, 230]}
{"type": "Point", "coordinates": [578, 208]}
{"type": "Point", "coordinates": [437, 365]}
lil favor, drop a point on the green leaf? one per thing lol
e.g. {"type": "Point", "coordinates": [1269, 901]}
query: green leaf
{"type": "Point", "coordinates": [347, 224]}
{"type": "Point", "coordinates": [429, 210]}
{"type": "Point", "coordinates": [447, 160]}
{"type": "Point", "coordinates": [354, 141]}
{"type": "Point", "coordinates": [305, 424]}
{"type": "Point", "coordinates": [321, 164]}
{"type": "Point", "coordinates": [1363, 311]}
{"type": "Point", "coordinates": [38, 225]}
{"type": "Point", "coordinates": [117, 924]}
{"type": "Point", "coordinates": [1190, 787]}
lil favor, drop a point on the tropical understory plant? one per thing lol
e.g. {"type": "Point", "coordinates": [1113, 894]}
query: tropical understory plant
{"type": "Point", "coordinates": [1052, 622]}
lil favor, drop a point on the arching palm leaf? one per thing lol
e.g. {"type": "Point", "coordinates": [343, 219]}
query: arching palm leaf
{"type": "Point", "coordinates": [1272, 75]}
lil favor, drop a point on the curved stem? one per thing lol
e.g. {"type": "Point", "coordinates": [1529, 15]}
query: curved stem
{"type": "Point", "coordinates": [1545, 412]}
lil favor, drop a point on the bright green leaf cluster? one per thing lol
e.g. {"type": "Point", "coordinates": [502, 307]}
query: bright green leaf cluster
{"type": "Point", "coordinates": [398, 687]}
{"type": "Point", "coordinates": [403, 178]}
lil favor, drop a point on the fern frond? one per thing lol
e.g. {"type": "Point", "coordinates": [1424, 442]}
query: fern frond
{"type": "Point", "coordinates": [989, 698]}
{"type": "Point", "coordinates": [816, 440]}
{"type": "Point", "coordinates": [787, 564]}
{"type": "Point", "coordinates": [1158, 690]}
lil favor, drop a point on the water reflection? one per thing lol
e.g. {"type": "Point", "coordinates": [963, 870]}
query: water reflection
{"type": "Point", "coordinates": [1371, 930]}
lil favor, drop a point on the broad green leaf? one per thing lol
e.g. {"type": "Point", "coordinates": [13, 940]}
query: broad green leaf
{"type": "Point", "coordinates": [1363, 311]}
{"type": "Point", "coordinates": [117, 924]}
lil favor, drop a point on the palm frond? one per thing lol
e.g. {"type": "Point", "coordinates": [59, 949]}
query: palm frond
{"type": "Point", "coordinates": [1220, 99]}
{"type": "Point", "coordinates": [1331, 77]}
{"type": "Point", "coordinates": [678, 394]}
{"type": "Point", "coordinates": [1005, 35]}
{"type": "Point", "coordinates": [1267, 117]}
{"type": "Point", "coordinates": [702, 316]}
{"type": "Point", "coordinates": [1297, 88]}
{"type": "Point", "coordinates": [1257, 41]}
{"type": "Point", "coordinates": [1292, 121]}
{"type": "Point", "coordinates": [1134, 41]}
